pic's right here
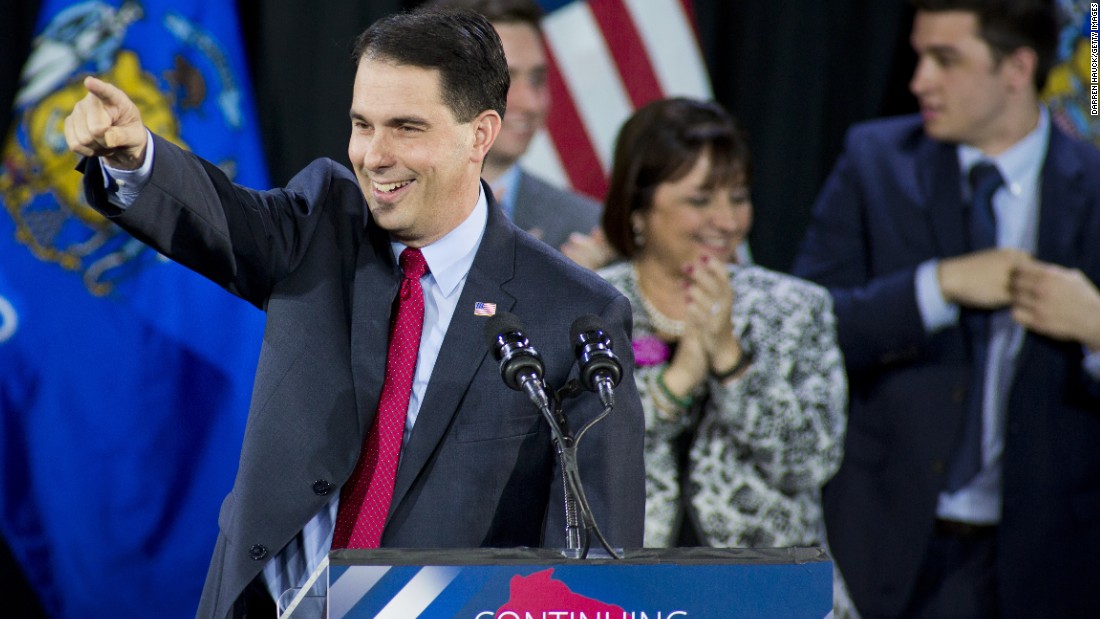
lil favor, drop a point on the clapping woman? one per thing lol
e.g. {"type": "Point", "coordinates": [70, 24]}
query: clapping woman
{"type": "Point", "coordinates": [738, 366]}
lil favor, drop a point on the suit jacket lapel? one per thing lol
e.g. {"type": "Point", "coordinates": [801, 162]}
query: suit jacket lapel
{"type": "Point", "coordinates": [942, 184]}
{"type": "Point", "coordinates": [377, 278]}
{"type": "Point", "coordinates": [1062, 203]}
{"type": "Point", "coordinates": [456, 367]}
{"type": "Point", "coordinates": [1062, 206]}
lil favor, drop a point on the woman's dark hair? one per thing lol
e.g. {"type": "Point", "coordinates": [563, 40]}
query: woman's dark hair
{"type": "Point", "coordinates": [660, 143]}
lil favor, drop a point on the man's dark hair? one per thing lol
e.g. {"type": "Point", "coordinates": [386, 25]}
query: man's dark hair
{"type": "Point", "coordinates": [1008, 25]}
{"type": "Point", "coordinates": [460, 44]}
{"type": "Point", "coordinates": [525, 12]}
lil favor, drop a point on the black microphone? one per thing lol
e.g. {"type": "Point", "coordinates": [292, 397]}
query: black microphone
{"type": "Point", "coordinates": [520, 364]}
{"type": "Point", "coordinates": [599, 367]}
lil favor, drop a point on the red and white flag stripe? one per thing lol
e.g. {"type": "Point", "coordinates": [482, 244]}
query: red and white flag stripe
{"type": "Point", "coordinates": [607, 58]}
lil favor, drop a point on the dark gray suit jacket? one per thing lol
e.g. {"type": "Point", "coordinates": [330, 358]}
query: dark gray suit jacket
{"type": "Point", "coordinates": [892, 202]}
{"type": "Point", "coordinates": [478, 468]}
{"type": "Point", "coordinates": [552, 214]}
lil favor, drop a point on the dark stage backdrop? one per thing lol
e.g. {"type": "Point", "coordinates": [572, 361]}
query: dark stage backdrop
{"type": "Point", "coordinates": [796, 73]}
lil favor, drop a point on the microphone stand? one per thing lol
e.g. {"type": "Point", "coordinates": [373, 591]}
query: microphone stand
{"type": "Point", "coordinates": [521, 368]}
{"type": "Point", "coordinates": [566, 448]}
{"type": "Point", "coordinates": [576, 503]}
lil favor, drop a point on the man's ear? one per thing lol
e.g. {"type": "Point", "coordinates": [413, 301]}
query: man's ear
{"type": "Point", "coordinates": [486, 129]}
{"type": "Point", "coordinates": [1021, 65]}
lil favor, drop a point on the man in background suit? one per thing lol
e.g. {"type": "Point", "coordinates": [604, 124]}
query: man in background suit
{"type": "Point", "coordinates": [477, 467]}
{"type": "Point", "coordinates": [916, 532]}
{"type": "Point", "coordinates": [549, 213]}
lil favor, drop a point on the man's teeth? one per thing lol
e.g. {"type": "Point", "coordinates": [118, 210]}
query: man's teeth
{"type": "Point", "coordinates": [388, 187]}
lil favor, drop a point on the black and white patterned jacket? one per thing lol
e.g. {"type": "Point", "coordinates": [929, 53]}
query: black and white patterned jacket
{"type": "Point", "coordinates": [766, 441]}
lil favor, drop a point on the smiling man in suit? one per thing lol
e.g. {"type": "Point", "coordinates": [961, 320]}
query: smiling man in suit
{"type": "Point", "coordinates": [373, 348]}
{"type": "Point", "coordinates": [960, 249]}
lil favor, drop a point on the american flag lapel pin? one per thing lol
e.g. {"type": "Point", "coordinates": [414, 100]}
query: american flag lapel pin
{"type": "Point", "coordinates": [482, 308]}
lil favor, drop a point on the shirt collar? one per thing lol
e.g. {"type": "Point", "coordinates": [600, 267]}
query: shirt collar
{"type": "Point", "coordinates": [450, 258]}
{"type": "Point", "coordinates": [1020, 163]}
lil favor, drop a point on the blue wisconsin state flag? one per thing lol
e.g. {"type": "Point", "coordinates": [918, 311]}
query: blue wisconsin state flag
{"type": "Point", "coordinates": [1071, 92]}
{"type": "Point", "coordinates": [124, 378]}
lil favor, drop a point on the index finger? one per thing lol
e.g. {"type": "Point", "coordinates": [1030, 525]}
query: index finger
{"type": "Point", "coordinates": [106, 92]}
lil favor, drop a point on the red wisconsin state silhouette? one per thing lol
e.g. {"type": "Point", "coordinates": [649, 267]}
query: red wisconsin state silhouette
{"type": "Point", "coordinates": [539, 593]}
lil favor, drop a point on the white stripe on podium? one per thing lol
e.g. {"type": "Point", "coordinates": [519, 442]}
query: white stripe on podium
{"type": "Point", "coordinates": [419, 593]}
{"type": "Point", "coordinates": [351, 586]}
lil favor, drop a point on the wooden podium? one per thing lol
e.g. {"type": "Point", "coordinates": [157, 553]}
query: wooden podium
{"type": "Point", "coordinates": [530, 583]}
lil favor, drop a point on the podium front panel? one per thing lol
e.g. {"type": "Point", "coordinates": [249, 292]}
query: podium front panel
{"type": "Point", "coordinates": [542, 584]}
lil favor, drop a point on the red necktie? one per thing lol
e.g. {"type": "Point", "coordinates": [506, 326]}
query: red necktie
{"type": "Point", "coordinates": [365, 498]}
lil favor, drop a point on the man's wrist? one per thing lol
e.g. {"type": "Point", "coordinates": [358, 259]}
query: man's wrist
{"type": "Point", "coordinates": [1092, 341]}
{"type": "Point", "coordinates": [127, 162]}
{"type": "Point", "coordinates": [124, 185]}
{"type": "Point", "coordinates": [132, 161]}
{"type": "Point", "coordinates": [945, 278]}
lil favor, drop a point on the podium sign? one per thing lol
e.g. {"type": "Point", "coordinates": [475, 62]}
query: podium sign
{"type": "Point", "coordinates": [542, 584]}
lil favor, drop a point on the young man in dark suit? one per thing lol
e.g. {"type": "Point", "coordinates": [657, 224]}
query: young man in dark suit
{"type": "Point", "coordinates": [477, 467]}
{"type": "Point", "coordinates": [966, 313]}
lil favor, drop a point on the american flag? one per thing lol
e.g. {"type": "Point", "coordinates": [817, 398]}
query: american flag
{"type": "Point", "coordinates": [482, 308]}
{"type": "Point", "coordinates": [607, 58]}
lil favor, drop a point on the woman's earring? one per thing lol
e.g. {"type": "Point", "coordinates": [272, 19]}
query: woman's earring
{"type": "Point", "coordinates": [639, 238]}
